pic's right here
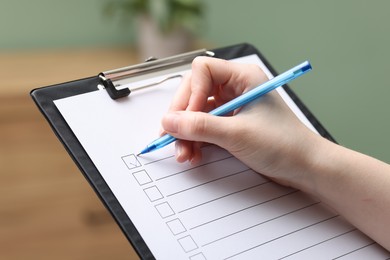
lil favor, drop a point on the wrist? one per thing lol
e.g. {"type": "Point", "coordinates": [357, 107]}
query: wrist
{"type": "Point", "coordinates": [307, 165]}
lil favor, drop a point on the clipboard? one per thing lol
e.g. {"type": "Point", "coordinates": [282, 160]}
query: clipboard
{"type": "Point", "coordinates": [112, 82]}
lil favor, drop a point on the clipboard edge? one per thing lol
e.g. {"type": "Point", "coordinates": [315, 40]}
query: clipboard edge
{"type": "Point", "coordinates": [70, 142]}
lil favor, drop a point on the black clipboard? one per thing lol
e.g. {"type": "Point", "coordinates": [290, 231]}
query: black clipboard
{"type": "Point", "coordinates": [45, 96]}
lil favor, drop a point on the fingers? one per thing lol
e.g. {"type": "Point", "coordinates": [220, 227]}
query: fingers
{"type": "Point", "coordinates": [224, 80]}
{"type": "Point", "coordinates": [188, 151]}
{"type": "Point", "coordinates": [211, 77]}
{"type": "Point", "coordinates": [207, 77]}
{"type": "Point", "coordinates": [180, 100]}
{"type": "Point", "coordinates": [211, 83]}
{"type": "Point", "coordinates": [197, 126]}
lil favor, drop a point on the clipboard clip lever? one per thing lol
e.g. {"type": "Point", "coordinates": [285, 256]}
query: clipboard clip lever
{"type": "Point", "coordinates": [112, 79]}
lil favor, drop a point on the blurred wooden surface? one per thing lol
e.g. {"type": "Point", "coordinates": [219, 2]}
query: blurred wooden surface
{"type": "Point", "coordinates": [48, 210]}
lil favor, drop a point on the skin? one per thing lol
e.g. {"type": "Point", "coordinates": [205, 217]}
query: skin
{"type": "Point", "coordinates": [268, 137]}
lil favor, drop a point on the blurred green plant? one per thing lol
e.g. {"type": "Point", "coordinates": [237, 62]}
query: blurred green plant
{"type": "Point", "coordinates": [167, 14]}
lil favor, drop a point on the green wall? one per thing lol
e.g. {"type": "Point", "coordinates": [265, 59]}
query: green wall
{"type": "Point", "coordinates": [58, 24]}
{"type": "Point", "coordinates": [346, 42]}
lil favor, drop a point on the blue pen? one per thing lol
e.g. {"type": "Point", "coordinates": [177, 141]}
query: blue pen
{"type": "Point", "coordinates": [240, 101]}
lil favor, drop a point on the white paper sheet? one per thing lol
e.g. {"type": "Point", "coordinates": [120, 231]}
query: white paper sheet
{"type": "Point", "coordinates": [218, 209]}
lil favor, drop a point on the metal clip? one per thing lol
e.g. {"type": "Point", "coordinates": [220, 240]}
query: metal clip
{"type": "Point", "coordinates": [113, 79]}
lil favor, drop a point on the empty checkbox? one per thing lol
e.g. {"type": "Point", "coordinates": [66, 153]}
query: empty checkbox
{"type": "Point", "coordinates": [176, 226]}
{"type": "Point", "coordinates": [188, 244]}
{"type": "Point", "coordinates": [142, 177]}
{"type": "Point", "coordinates": [153, 193]}
{"type": "Point", "coordinates": [165, 210]}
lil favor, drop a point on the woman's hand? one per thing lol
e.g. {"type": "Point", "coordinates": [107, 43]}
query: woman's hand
{"type": "Point", "coordinates": [264, 134]}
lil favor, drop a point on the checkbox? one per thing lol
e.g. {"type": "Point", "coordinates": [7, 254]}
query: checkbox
{"type": "Point", "coordinates": [165, 210]}
{"type": "Point", "coordinates": [153, 193]}
{"type": "Point", "coordinates": [188, 244]}
{"type": "Point", "coordinates": [142, 177]}
{"type": "Point", "coordinates": [199, 256]}
{"type": "Point", "coordinates": [131, 161]}
{"type": "Point", "coordinates": [176, 226]}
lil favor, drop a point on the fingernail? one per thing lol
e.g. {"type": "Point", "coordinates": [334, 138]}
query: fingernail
{"type": "Point", "coordinates": [178, 150]}
{"type": "Point", "coordinates": [171, 122]}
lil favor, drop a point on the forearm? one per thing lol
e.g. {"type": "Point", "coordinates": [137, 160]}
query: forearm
{"type": "Point", "coordinates": [355, 185]}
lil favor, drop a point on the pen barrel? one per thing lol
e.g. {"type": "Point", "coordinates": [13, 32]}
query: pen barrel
{"type": "Point", "coordinates": [262, 89]}
{"type": "Point", "coordinates": [163, 141]}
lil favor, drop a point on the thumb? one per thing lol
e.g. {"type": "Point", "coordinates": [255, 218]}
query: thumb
{"type": "Point", "coordinates": [196, 126]}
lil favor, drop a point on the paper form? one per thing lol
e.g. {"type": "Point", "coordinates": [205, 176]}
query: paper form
{"type": "Point", "coordinates": [217, 209]}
